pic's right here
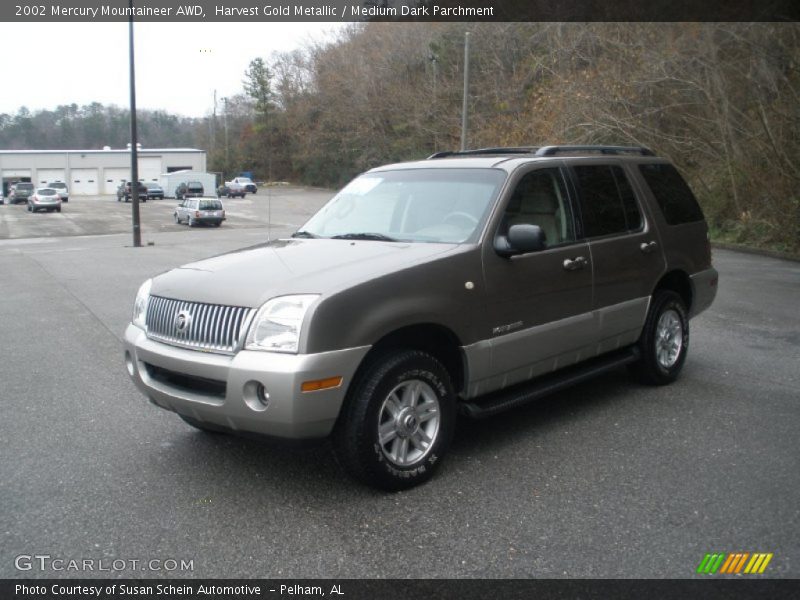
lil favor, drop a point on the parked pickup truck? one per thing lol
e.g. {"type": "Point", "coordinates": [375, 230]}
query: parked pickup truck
{"type": "Point", "coordinates": [242, 183]}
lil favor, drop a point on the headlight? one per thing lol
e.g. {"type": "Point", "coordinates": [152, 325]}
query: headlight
{"type": "Point", "coordinates": [140, 305]}
{"type": "Point", "coordinates": [276, 326]}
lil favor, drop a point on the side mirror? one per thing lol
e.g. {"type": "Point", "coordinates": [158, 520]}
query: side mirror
{"type": "Point", "coordinates": [521, 239]}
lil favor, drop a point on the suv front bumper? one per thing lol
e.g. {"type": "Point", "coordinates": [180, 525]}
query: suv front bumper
{"type": "Point", "coordinates": [224, 390]}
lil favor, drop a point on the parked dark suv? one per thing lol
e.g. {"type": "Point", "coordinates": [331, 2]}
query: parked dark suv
{"type": "Point", "coordinates": [189, 189]}
{"type": "Point", "coordinates": [471, 282]}
{"type": "Point", "coordinates": [21, 192]}
{"type": "Point", "coordinates": [124, 192]}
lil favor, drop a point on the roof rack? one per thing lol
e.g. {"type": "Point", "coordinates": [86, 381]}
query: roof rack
{"type": "Point", "coordinates": [479, 151]}
{"type": "Point", "coordinates": [553, 150]}
{"type": "Point", "coordinates": [546, 151]}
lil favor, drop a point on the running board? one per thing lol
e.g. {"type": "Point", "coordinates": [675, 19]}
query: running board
{"type": "Point", "coordinates": [497, 402]}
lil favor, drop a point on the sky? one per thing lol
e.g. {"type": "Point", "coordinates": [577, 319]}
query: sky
{"type": "Point", "coordinates": [178, 65]}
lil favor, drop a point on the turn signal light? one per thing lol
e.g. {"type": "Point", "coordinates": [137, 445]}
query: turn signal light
{"type": "Point", "coordinates": [321, 384]}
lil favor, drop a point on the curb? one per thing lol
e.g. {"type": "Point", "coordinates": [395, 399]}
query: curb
{"type": "Point", "coordinates": [757, 251]}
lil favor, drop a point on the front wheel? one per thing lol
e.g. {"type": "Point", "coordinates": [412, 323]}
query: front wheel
{"type": "Point", "coordinates": [397, 421]}
{"type": "Point", "coordinates": [664, 341]}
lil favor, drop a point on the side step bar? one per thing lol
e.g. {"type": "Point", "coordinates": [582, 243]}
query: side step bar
{"type": "Point", "coordinates": [497, 402]}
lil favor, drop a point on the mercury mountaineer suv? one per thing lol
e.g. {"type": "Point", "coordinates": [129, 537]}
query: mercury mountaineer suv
{"type": "Point", "coordinates": [470, 282]}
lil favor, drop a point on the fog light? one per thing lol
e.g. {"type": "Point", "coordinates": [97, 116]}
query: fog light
{"type": "Point", "coordinates": [256, 396]}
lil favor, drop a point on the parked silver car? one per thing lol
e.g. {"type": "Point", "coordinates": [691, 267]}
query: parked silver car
{"type": "Point", "coordinates": [44, 199]}
{"type": "Point", "coordinates": [472, 282]}
{"type": "Point", "coordinates": [200, 211]}
{"type": "Point", "coordinates": [61, 188]}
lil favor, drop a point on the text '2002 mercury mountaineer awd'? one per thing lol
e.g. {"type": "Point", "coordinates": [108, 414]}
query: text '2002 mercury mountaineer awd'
{"type": "Point", "coordinates": [470, 282]}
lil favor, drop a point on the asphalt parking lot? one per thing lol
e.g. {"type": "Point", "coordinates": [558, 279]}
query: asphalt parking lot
{"type": "Point", "coordinates": [607, 479]}
{"type": "Point", "coordinates": [102, 215]}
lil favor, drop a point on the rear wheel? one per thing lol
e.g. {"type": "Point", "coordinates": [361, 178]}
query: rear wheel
{"type": "Point", "coordinates": [664, 341]}
{"type": "Point", "coordinates": [397, 422]}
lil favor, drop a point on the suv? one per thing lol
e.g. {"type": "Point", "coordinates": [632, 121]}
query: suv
{"type": "Point", "coordinates": [61, 188]}
{"type": "Point", "coordinates": [21, 192]}
{"type": "Point", "coordinates": [190, 189]}
{"type": "Point", "coordinates": [471, 282]}
{"type": "Point", "coordinates": [124, 192]}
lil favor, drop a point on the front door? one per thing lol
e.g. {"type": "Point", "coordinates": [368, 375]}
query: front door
{"type": "Point", "coordinates": [538, 304]}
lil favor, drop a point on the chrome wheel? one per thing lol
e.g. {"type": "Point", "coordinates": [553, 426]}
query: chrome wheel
{"type": "Point", "coordinates": [408, 423]}
{"type": "Point", "coordinates": [669, 338]}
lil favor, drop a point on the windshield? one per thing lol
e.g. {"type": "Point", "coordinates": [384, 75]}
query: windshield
{"type": "Point", "coordinates": [414, 205]}
{"type": "Point", "coordinates": [46, 192]}
{"type": "Point", "coordinates": [58, 185]}
{"type": "Point", "coordinates": [151, 186]}
{"type": "Point", "coordinates": [24, 186]}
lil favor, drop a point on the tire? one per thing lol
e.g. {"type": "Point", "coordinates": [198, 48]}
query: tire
{"type": "Point", "coordinates": [58, 209]}
{"type": "Point", "coordinates": [206, 427]}
{"type": "Point", "coordinates": [388, 396]}
{"type": "Point", "coordinates": [664, 342]}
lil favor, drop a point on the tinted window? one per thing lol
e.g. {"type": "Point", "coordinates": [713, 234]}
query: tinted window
{"type": "Point", "coordinates": [608, 204]}
{"type": "Point", "coordinates": [210, 205]}
{"type": "Point", "coordinates": [676, 200]}
{"type": "Point", "coordinates": [24, 186]}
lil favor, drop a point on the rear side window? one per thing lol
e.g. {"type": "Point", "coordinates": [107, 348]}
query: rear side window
{"type": "Point", "coordinates": [608, 204]}
{"type": "Point", "coordinates": [676, 200]}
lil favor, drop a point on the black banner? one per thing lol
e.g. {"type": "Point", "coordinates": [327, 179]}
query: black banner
{"type": "Point", "coordinates": [397, 589]}
{"type": "Point", "coordinates": [399, 10]}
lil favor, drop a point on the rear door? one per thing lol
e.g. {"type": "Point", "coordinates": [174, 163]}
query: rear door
{"type": "Point", "coordinates": [624, 247]}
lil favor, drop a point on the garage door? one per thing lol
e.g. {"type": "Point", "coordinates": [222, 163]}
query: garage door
{"type": "Point", "coordinates": [149, 168]}
{"type": "Point", "coordinates": [84, 182]}
{"type": "Point", "coordinates": [113, 176]}
{"type": "Point", "coordinates": [45, 176]}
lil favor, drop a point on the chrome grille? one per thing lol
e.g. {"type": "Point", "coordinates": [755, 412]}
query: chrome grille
{"type": "Point", "coordinates": [208, 327]}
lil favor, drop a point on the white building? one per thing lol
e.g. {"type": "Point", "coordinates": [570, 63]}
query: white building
{"type": "Point", "coordinates": [94, 172]}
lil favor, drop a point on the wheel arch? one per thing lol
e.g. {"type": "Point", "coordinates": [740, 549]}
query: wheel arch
{"type": "Point", "coordinates": [437, 340]}
{"type": "Point", "coordinates": [679, 282]}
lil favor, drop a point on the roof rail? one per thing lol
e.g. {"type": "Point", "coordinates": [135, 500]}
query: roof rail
{"type": "Point", "coordinates": [480, 151]}
{"type": "Point", "coordinates": [553, 150]}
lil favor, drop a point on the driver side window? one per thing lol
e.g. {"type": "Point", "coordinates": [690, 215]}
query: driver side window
{"type": "Point", "coordinates": [540, 198]}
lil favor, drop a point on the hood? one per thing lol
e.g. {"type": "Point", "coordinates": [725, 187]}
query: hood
{"type": "Point", "coordinates": [251, 276]}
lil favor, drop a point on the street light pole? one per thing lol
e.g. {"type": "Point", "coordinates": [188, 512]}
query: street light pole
{"type": "Point", "coordinates": [466, 93]}
{"type": "Point", "coordinates": [137, 233]}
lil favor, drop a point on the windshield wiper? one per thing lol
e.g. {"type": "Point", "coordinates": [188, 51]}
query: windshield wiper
{"type": "Point", "coordinates": [304, 234]}
{"type": "Point", "coordinates": [364, 236]}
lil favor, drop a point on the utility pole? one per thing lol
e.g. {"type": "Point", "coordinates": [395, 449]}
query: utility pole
{"type": "Point", "coordinates": [137, 233]}
{"type": "Point", "coordinates": [225, 120]}
{"type": "Point", "coordinates": [466, 93]}
{"type": "Point", "coordinates": [434, 64]}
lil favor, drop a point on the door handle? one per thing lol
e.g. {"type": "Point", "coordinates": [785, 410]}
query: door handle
{"type": "Point", "coordinates": [647, 247]}
{"type": "Point", "coordinates": [574, 264]}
